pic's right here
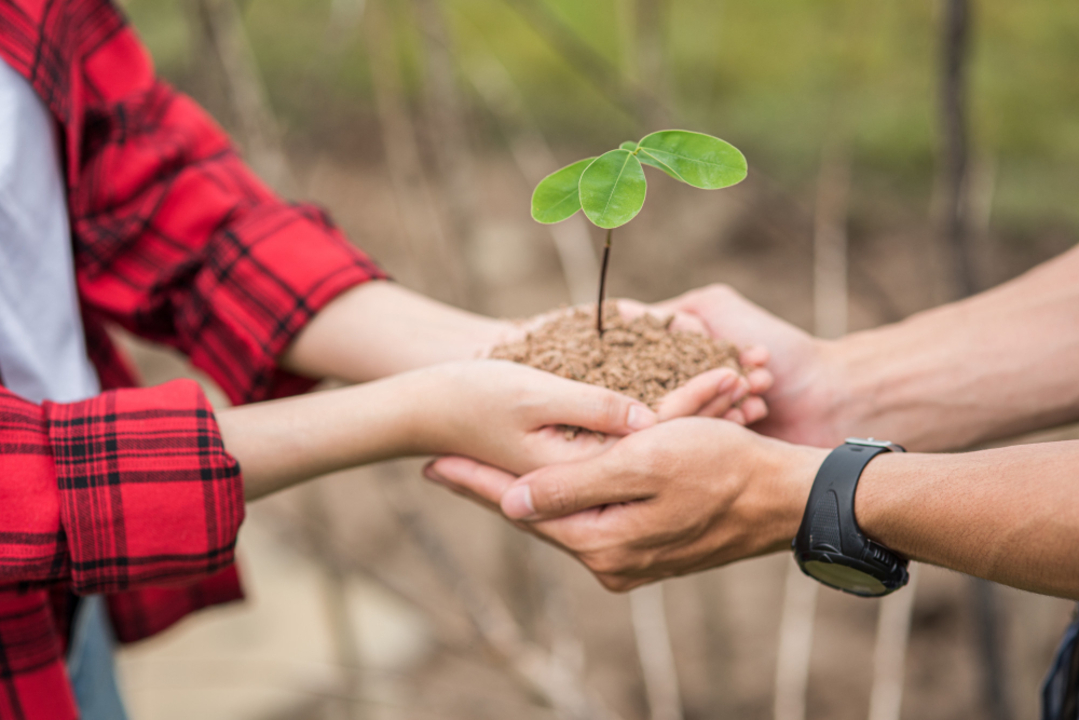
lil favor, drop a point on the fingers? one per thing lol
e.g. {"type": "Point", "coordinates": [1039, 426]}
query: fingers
{"type": "Point", "coordinates": [593, 408]}
{"type": "Point", "coordinates": [688, 323]}
{"type": "Point", "coordinates": [551, 444]}
{"type": "Point", "coordinates": [760, 381]}
{"type": "Point", "coordinates": [754, 409]}
{"type": "Point", "coordinates": [560, 490]}
{"type": "Point", "coordinates": [479, 482]}
{"type": "Point", "coordinates": [631, 309]}
{"type": "Point", "coordinates": [716, 390]}
{"type": "Point", "coordinates": [754, 356]}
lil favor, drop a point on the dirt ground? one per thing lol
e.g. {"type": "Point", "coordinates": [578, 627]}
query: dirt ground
{"type": "Point", "coordinates": [280, 654]}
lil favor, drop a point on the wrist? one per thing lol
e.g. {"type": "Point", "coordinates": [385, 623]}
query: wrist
{"type": "Point", "coordinates": [787, 475]}
{"type": "Point", "coordinates": [857, 389]}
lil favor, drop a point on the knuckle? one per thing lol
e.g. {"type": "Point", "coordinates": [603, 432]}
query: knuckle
{"type": "Point", "coordinates": [559, 497]}
{"type": "Point", "coordinates": [607, 562]}
{"type": "Point", "coordinates": [615, 584]}
{"type": "Point", "coordinates": [721, 292]}
{"type": "Point", "coordinates": [612, 409]}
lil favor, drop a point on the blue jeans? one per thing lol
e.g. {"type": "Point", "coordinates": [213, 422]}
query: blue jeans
{"type": "Point", "coordinates": [1060, 692]}
{"type": "Point", "coordinates": [90, 662]}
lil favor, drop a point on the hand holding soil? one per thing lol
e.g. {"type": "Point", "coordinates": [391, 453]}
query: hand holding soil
{"type": "Point", "coordinates": [647, 357]}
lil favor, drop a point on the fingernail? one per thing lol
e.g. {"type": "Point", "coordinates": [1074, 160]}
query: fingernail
{"type": "Point", "coordinates": [640, 418]}
{"type": "Point", "coordinates": [741, 391]}
{"type": "Point", "coordinates": [517, 503]}
{"type": "Point", "coordinates": [726, 382]}
{"type": "Point", "coordinates": [430, 473]}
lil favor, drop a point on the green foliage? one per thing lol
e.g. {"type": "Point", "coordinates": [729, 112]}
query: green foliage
{"type": "Point", "coordinates": [556, 197]}
{"type": "Point", "coordinates": [696, 159]}
{"type": "Point", "coordinates": [611, 188]}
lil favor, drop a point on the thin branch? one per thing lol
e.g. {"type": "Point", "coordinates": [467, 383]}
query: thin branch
{"type": "Point", "coordinates": [649, 614]}
{"type": "Point", "coordinates": [543, 672]}
{"type": "Point", "coordinates": [830, 301]}
{"type": "Point", "coordinates": [535, 160]}
{"type": "Point", "coordinates": [446, 127]}
{"type": "Point", "coordinates": [795, 644]}
{"type": "Point", "coordinates": [443, 273]}
{"type": "Point", "coordinates": [222, 31]}
{"type": "Point", "coordinates": [220, 28]}
{"type": "Point", "coordinates": [603, 75]}
{"type": "Point", "coordinates": [956, 49]}
{"type": "Point", "coordinates": [890, 652]}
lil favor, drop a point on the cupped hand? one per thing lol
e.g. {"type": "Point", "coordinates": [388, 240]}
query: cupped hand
{"type": "Point", "coordinates": [716, 393]}
{"type": "Point", "coordinates": [516, 417]}
{"type": "Point", "coordinates": [807, 382]}
{"type": "Point", "coordinates": [679, 497]}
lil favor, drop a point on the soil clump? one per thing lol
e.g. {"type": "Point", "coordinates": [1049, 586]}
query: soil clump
{"type": "Point", "coordinates": [644, 358]}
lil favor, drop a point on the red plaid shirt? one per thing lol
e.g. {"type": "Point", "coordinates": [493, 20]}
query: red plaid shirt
{"type": "Point", "coordinates": [131, 493]}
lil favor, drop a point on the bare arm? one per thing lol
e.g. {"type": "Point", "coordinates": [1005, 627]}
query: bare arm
{"type": "Point", "coordinates": [994, 365]}
{"type": "Point", "coordinates": [380, 328]}
{"type": "Point", "coordinates": [491, 410]}
{"type": "Point", "coordinates": [695, 493]}
{"type": "Point", "coordinates": [1010, 515]}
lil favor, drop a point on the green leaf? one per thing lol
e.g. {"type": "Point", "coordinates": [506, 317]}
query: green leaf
{"type": "Point", "coordinates": [613, 189]}
{"type": "Point", "coordinates": [629, 145]}
{"type": "Point", "coordinates": [647, 159]}
{"type": "Point", "coordinates": [556, 196]}
{"type": "Point", "coordinates": [697, 159]}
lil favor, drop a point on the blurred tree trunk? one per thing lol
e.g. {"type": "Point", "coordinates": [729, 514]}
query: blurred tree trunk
{"type": "Point", "coordinates": [955, 183]}
{"type": "Point", "coordinates": [447, 129]}
{"type": "Point", "coordinates": [535, 160]}
{"type": "Point", "coordinates": [830, 303]}
{"type": "Point", "coordinates": [890, 651]}
{"type": "Point", "coordinates": [593, 67]}
{"type": "Point", "coordinates": [649, 613]}
{"type": "Point", "coordinates": [435, 259]}
{"type": "Point", "coordinates": [653, 65]}
{"type": "Point", "coordinates": [228, 72]}
{"type": "Point", "coordinates": [956, 49]}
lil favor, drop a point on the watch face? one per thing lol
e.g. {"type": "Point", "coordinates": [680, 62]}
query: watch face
{"type": "Point", "coordinates": [845, 578]}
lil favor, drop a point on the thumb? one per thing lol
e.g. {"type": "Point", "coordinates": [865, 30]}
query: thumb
{"type": "Point", "coordinates": [594, 408]}
{"type": "Point", "coordinates": [721, 388]}
{"type": "Point", "coordinates": [465, 476]}
{"type": "Point", "coordinates": [559, 490]}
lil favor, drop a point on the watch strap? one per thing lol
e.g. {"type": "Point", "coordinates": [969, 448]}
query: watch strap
{"type": "Point", "coordinates": [829, 532]}
{"type": "Point", "coordinates": [829, 519]}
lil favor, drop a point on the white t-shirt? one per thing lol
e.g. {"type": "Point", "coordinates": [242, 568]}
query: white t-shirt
{"type": "Point", "coordinates": [42, 346]}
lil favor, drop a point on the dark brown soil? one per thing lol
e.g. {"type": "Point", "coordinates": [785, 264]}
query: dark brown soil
{"type": "Point", "coordinates": [643, 358]}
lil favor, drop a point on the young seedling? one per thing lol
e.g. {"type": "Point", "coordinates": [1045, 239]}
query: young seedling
{"type": "Point", "coordinates": [611, 188]}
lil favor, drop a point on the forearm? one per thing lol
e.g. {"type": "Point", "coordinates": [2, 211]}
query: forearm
{"type": "Point", "coordinates": [998, 364]}
{"type": "Point", "coordinates": [283, 442]}
{"type": "Point", "coordinates": [379, 329]}
{"type": "Point", "coordinates": [1009, 515]}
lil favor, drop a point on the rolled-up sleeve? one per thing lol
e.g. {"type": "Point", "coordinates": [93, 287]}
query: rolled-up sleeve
{"type": "Point", "coordinates": [128, 489]}
{"type": "Point", "coordinates": [179, 242]}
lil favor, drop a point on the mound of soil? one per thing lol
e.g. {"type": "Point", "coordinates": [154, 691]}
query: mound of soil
{"type": "Point", "coordinates": [643, 358]}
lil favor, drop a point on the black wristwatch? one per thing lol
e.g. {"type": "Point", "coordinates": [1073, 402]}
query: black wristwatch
{"type": "Point", "coordinates": [829, 546]}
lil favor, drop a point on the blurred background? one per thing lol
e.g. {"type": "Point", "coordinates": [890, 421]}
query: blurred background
{"type": "Point", "coordinates": [901, 155]}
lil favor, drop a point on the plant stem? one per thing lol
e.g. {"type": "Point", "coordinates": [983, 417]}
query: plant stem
{"type": "Point", "coordinates": [603, 283]}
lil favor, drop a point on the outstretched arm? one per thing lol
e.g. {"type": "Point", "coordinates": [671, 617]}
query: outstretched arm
{"type": "Point", "coordinates": [696, 493]}
{"type": "Point", "coordinates": [491, 410]}
{"type": "Point", "coordinates": [994, 365]}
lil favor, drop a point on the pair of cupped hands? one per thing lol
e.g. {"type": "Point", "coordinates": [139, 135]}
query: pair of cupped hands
{"type": "Point", "coordinates": [647, 495]}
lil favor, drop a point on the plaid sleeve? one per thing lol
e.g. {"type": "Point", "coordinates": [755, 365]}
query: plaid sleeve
{"type": "Point", "coordinates": [126, 489]}
{"type": "Point", "coordinates": [179, 242]}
